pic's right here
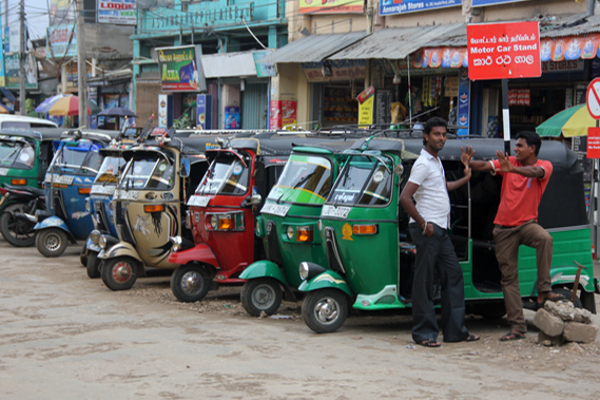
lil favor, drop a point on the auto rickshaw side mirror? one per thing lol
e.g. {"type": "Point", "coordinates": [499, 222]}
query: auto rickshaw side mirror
{"type": "Point", "coordinates": [185, 168]}
{"type": "Point", "coordinates": [252, 201]}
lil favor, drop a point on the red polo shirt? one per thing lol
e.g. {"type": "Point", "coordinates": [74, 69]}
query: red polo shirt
{"type": "Point", "coordinates": [520, 196]}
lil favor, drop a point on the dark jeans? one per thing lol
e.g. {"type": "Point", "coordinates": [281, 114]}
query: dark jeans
{"type": "Point", "coordinates": [437, 252]}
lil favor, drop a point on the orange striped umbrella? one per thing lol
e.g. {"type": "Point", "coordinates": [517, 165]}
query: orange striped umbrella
{"type": "Point", "coordinates": [68, 105]}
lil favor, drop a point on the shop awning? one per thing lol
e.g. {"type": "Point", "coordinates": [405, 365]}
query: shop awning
{"type": "Point", "coordinates": [398, 43]}
{"type": "Point", "coordinates": [314, 48]}
{"type": "Point", "coordinates": [225, 65]}
{"type": "Point", "coordinates": [8, 94]}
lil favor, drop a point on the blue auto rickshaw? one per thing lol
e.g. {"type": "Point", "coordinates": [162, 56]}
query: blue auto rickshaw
{"type": "Point", "coordinates": [68, 183]}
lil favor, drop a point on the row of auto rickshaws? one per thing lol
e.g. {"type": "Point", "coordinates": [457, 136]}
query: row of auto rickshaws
{"type": "Point", "coordinates": [311, 215]}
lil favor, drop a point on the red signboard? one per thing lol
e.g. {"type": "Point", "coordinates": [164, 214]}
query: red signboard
{"type": "Point", "coordinates": [593, 143]}
{"type": "Point", "coordinates": [504, 51]}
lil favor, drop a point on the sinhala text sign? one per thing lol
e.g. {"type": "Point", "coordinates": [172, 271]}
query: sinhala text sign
{"type": "Point", "coordinates": [504, 50]}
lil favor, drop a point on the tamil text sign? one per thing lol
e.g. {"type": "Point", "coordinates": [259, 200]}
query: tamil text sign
{"type": "Point", "coordinates": [327, 7]}
{"type": "Point", "coordinates": [62, 41]}
{"type": "Point", "coordinates": [180, 69]}
{"type": "Point", "coordinates": [391, 7]}
{"type": "Point", "coordinates": [117, 12]}
{"type": "Point", "coordinates": [504, 51]}
{"type": "Point", "coordinates": [593, 143]}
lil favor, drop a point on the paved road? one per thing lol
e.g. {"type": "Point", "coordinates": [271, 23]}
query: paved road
{"type": "Point", "coordinates": [64, 336]}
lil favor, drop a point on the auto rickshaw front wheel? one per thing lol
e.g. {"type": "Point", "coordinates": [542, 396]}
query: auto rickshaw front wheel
{"type": "Point", "coordinates": [261, 295]}
{"type": "Point", "coordinates": [325, 310]}
{"type": "Point", "coordinates": [17, 233]}
{"type": "Point", "coordinates": [119, 273]}
{"type": "Point", "coordinates": [190, 283]}
{"type": "Point", "coordinates": [83, 255]}
{"type": "Point", "coordinates": [93, 265]}
{"type": "Point", "coordinates": [51, 242]}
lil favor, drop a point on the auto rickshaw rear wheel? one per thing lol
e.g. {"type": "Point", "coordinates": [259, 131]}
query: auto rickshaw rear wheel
{"type": "Point", "coordinates": [93, 265]}
{"type": "Point", "coordinates": [325, 310]}
{"type": "Point", "coordinates": [568, 293]}
{"type": "Point", "coordinates": [51, 242]}
{"type": "Point", "coordinates": [119, 273]}
{"type": "Point", "coordinates": [17, 233]}
{"type": "Point", "coordinates": [83, 255]}
{"type": "Point", "coordinates": [261, 295]}
{"type": "Point", "coordinates": [190, 283]}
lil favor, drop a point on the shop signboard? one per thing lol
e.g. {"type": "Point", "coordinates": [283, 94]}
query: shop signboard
{"type": "Point", "coordinates": [391, 7]}
{"type": "Point", "coordinates": [232, 118]}
{"type": "Point", "coordinates": [462, 118]}
{"type": "Point", "coordinates": [331, 7]}
{"type": "Point", "coordinates": [593, 143]}
{"type": "Point", "coordinates": [204, 111]}
{"type": "Point", "coordinates": [12, 68]}
{"type": "Point", "coordinates": [504, 50]}
{"type": "Point", "coordinates": [341, 70]}
{"type": "Point", "coordinates": [366, 106]}
{"type": "Point", "coordinates": [283, 113]}
{"type": "Point", "coordinates": [263, 69]}
{"type": "Point", "coordinates": [180, 69]}
{"type": "Point", "coordinates": [12, 38]}
{"type": "Point", "coordinates": [62, 41]}
{"type": "Point", "coordinates": [120, 12]}
{"type": "Point", "coordinates": [483, 3]}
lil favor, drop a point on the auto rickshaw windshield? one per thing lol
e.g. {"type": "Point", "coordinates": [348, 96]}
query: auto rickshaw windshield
{"type": "Point", "coordinates": [82, 157]}
{"type": "Point", "coordinates": [148, 171]}
{"type": "Point", "coordinates": [109, 170]}
{"type": "Point", "coordinates": [306, 179]}
{"type": "Point", "coordinates": [364, 181]}
{"type": "Point", "coordinates": [226, 175]}
{"type": "Point", "coordinates": [18, 154]}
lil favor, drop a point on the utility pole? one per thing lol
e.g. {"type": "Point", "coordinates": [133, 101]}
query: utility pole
{"type": "Point", "coordinates": [22, 58]}
{"type": "Point", "coordinates": [81, 67]}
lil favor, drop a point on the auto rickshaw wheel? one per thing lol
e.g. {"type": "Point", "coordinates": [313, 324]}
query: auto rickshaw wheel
{"type": "Point", "coordinates": [17, 233]}
{"type": "Point", "coordinates": [568, 293]}
{"type": "Point", "coordinates": [325, 310]}
{"type": "Point", "coordinates": [83, 255]}
{"type": "Point", "coordinates": [261, 295]}
{"type": "Point", "coordinates": [119, 273]}
{"type": "Point", "coordinates": [93, 265]}
{"type": "Point", "coordinates": [51, 242]}
{"type": "Point", "coordinates": [190, 283]}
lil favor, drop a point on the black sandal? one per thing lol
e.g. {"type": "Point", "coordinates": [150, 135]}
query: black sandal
{"type": "Point", "coordinates": [512, 335]}
{"type": "Point", "coordinates": [471, 338]}
{"type": "Point", "coordinates": [429, 343]}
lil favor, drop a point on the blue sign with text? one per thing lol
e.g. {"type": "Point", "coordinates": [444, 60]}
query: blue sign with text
{"type": "Point", "coordinates": [481, 3]}
{"type": "Point", "coordinates": [464, 86]}
{"type": "Point", "coordinates": [391, 7]}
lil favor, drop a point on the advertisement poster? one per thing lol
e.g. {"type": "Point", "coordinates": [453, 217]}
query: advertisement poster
{"type": "Point", "coordinates": [180, 69]}
{"type": "Point", "coordinates": [288, 113]}
{"type": "Point", "coordinates": [60, 43]}
{"type": "Point", "coordinates": [204, 111]}
{"type": "Point", "coordinates": [366, 103]}
{"type": "Point", "coordinates": [232, 118]}
{"type": "Point", "coordinates": [263, 69]}
{"type": "Point", "coordinates": [331, 6]}
{"type": "Point", "coordinates": [12, 68]}
{"type": "Point", "coordinates": [464, 86]}
{"type": "Point", "coordinates": [391, 7]}
{"type": "Point", "coordinates": [275, 115]}
{"type": "Point", "coordinates": [121, 12]}
{"type": "Point", "coordinates": [163, 110]}
{"type": "Point", "coordinates": [504, 50]}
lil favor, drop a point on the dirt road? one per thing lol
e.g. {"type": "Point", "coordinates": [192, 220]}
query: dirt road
{"type": "Point", "coordinates": [64, 336]}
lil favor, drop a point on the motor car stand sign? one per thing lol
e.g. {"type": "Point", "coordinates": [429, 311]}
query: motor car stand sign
{"type": "Point", "coordinates": [593, 151]}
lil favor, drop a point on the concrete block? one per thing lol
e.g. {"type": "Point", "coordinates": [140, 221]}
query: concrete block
{"type": "Point", "coordinates": [549, 323]}
{"type": "Point", "coordinates": [581, 333]}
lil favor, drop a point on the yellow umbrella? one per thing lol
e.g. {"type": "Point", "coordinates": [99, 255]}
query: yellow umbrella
{"type": "Point", "coordinates": [573, 121]}
{"type": "Point", "coordinates": [68, 105]}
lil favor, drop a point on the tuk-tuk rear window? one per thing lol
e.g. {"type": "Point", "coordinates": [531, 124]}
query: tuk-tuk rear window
{"type": "Point", "coordinates": [18, 154]}
{"type": "Point", "coordinates": [109, 171]}
{"type": "Point", "coordinates": [364, 181]}
{"type": "Point", "coordinates": [306, 179]}
{"type": "Point", "coordinates": [80, 157]}
{"type": "Point", "coordinates": [227, 175]}
{"type": "Point", "coordinates": [149, 171]}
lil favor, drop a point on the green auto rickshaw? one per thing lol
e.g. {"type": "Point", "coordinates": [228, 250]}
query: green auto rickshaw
{"type": "Point", "coordinates": [364, 233]}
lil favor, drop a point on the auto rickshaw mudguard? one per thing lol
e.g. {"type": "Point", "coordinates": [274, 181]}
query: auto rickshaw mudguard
{"type": "Point", "coordinates": [121, 249]}
{"type": "Point", "coordinates": [91, 246]}
{"type": "Point", "coordinates": [264, 269]}
{"type": "Point", "coordinates": [201, 253]}
{"type": "Point", "coordinates": [327, 279]}
{"type": "Point", "coordinates": [565, 275]}
{"type": "Point", "coordinates": [55, 222]}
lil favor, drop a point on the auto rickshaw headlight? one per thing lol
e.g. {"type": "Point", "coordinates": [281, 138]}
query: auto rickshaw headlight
{"type": "Point", "coordinates": [303, 269]}
{"type": "Point", "coordinates": [320, 225]}
{"type": "Point", "coordinates": [88, 207]}
{"type": "Point", "coordinates": [103, 242]}
{"type": "Point", "coordinates": [214, 221]}
{"type": "Point", "coordinates": [304, 234]}
{"type": "Point", "coordinates": [309, 270]}
{"type": "Point", "coordinates": [176, 240]}
{"type": "Point", "coordinates": [290, 232]}
{"type": "Point", "coordinates": [95, 236]}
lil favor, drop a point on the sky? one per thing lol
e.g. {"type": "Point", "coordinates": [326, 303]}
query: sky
{"type": "Point", "coordinates": [36, 14]}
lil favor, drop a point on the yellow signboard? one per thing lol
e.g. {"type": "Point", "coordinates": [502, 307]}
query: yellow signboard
{"type": "Point", "coordinates": [366, 106]}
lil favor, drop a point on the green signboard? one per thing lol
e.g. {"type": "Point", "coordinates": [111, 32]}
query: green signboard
{"type": "Point", "coordinates": [11, 70]}
{"type": "Point", "coordinates": [180, 69]}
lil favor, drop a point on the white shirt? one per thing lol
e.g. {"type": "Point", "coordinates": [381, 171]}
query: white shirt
{"type": "Point", "coordinates": [432, 198]}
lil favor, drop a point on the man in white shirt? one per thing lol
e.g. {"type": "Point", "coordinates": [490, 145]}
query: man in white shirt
{"type": "Point", "coordinates": [429, 220]}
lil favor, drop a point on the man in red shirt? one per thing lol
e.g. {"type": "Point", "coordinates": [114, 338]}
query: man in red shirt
{"type": "Point", "coordinates": [524, 179]}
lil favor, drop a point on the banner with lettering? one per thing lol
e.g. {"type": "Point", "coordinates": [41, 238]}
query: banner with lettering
{"type": "Point", "coordinates": [180, 69]}
{"type": "Point", "coordinates": [391, 7]}
{"type": "Point", "coordinates": [331, 6]}
{"type": "Point", "coordinates": [120, 12]}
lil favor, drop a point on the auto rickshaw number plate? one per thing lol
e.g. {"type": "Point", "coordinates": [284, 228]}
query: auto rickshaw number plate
{"type": "Point", "coordinates": [99, 189]}
{"type": "Point", "coordinates": [3, 171]}
{"type": "Point", "coordinates": [59, 179]}
{"type": "Point", "coordinates": [339, 212]}
{"type": "Point", "coordinates": [275, 209]}
{"type": "Point", "coordinates": [127, 195]}
{"type": "Point", "coordinates": [198, 201]}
